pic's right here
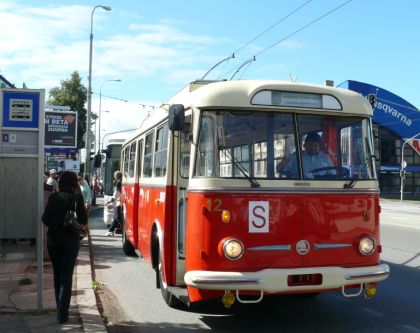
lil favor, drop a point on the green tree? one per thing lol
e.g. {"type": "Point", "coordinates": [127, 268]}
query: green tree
{"type": "Point", "coordinates": [74, 94]}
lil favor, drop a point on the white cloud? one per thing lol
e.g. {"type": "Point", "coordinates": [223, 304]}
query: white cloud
{"type": "Point", "coordinates": [52, 41]}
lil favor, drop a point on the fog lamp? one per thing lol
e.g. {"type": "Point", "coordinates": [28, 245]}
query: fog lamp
{"type": "Point", "coordinates": [233, 249]}
{"type": "Point", "coordinates": [228, 299]}
{"type": "Point", "coordinates": [370, 291]}
{"type": "Point", "coordinates": [367, 246]}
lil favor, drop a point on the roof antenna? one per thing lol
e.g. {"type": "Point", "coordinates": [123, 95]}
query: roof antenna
{"type": "Point", "coordinates": [240, 67]}
{"type": "Point", "coordinates": [220, 62]}
{"type": "Point", "coordinates": [293, 79]}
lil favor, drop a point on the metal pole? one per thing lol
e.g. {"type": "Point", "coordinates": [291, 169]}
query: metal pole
{"type": "Point", "coordinates": [40, 208]}
{"type": "Point", "coordinates": [99, 118]}
{"type": "Point", "coordinates": [89, 93]}
{"type": "Point", "coordinates": [403, 166]}
{"type": "Point", "coordinates": [402, 172]}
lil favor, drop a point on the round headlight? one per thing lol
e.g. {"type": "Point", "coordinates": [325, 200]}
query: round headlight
{"type": "Point", "coordinates": [367, 246]}
{"type": "Point", "coordinates": [233, 249]}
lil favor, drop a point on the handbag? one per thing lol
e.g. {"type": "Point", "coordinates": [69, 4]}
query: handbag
{"type": "Point", "coordinates": [71, 222]}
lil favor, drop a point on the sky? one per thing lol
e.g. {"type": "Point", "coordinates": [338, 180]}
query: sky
{"type": "Point", "coordinates": [157, 47]}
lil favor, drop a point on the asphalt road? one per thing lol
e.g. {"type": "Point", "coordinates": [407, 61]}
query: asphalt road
{"type": "Point", "coordinates": [133, 304]}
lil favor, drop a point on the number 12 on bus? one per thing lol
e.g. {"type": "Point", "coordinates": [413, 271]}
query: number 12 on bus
{"type": "Point", "coordinates": [238, 189]}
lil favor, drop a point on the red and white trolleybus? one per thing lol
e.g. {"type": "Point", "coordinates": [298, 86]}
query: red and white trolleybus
{"type": "Point", "coordinates": [239, 189]}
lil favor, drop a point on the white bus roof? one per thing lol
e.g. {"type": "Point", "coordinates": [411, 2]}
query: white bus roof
{"type": "Point", "coordinates": [118, 138]}
{"type": "Point", "coordinates": [239, 93]}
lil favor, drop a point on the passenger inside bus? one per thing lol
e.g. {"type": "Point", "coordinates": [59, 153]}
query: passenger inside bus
{"type": "Point", "coordinates": [315, 163]}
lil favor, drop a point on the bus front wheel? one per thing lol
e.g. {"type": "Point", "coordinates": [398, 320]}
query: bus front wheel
{"type": "Point", "coordinates": [167, 295]}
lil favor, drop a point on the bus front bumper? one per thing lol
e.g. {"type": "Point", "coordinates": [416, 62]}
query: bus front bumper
{"type": "Point", "coordinates": [284, 280]}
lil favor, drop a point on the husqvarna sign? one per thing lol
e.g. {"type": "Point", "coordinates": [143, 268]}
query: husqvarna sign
{"type": "Point", "coordinates": [390, 110]}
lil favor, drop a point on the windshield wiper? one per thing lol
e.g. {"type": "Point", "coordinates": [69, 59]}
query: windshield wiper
{"type": "Point", "coordinates": [357, 174]}
{"type": "Point", "coordinates": [238, 165]}
{"type": "Point", "coordinates": [352, 181]}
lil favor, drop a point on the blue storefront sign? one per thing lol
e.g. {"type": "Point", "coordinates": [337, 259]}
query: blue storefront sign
{"type": "Point", "coordinates": [397, 168]}
{"type": "Point", "coordinates": [391, 111]}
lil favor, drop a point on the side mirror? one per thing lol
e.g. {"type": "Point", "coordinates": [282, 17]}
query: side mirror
{"type": "Point", "coordinates": [176, 119]}
{"type": "Point", "coordinates": [372, 100]}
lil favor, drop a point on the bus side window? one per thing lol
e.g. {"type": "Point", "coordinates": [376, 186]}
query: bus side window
{"type": "Point", "coordinates": [161, 151]}
{"type": "Point", "coordinates": [131, 159]}
{"type": "Point", "coordinates": [185, 145]}
{"type": "Point", "coordinates": [139, 158]}
{"type": "Point", "coordinates": [205, 156]}
{"type": "Point", "coordinates": [125, 159]}
{"type": "Point", "coordinates": [148, 156]}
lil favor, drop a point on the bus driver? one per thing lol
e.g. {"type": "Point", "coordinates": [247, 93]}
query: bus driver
{"type": "Point", "coordinates": [312, 159]}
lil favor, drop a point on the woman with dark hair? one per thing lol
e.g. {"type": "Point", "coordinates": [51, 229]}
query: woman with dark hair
{"type": "Point", "coordinates": [63, 244]}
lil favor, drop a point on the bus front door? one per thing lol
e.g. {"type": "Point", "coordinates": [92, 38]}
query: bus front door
{"type": "Point", "coordinates": [183, 170]}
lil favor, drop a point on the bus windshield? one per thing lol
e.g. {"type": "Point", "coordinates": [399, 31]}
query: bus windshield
{"type": "Point", "coordinates": [279, 145]}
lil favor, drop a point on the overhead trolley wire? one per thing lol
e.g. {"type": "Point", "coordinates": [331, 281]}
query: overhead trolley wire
{"type": "Point", "coordinates": [110, 97]}
{"type": "Point", "coordinates": [291, 34]}
{"type": "Point", "coordinates": [304, 27]}
{"type": "Point", "coordinates": [253, 39]}
{"type": "Point", "coordinates": [272, 26]}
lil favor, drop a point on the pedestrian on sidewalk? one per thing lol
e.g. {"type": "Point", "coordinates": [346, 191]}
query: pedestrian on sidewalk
{"type": "Point", "coordinates": [115, 199]}
{"type": "Point", "coordinates": [63, 244]}
{"type": "Point", "coordinates": [52, 180]}
{"type": "Point", "coordinates": [86, 192]}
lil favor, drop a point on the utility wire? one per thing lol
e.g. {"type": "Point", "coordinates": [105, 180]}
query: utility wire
{"type": "Point", "coordinates": [116, 98]}
{"type": "Point", "coordinates": [272, 26]}
{"type": "Point", "coordinates": [255, 38]}
{"type": "Point", "coordinates": [294, 33]}
{"type": "Point", "coordinates": [304, 27]}
{"type": "Point", "coordinates": [124, 100]}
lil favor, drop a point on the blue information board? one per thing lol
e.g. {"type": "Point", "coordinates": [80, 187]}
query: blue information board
{"type": "Point", "coordinates": [20, 109]}
{"type": "Point", "coordinates": [390, 111]}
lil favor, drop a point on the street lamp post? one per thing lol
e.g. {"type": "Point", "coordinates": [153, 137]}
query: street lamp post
{"type": "Point", "coordinates": [89, 93]}
{"type": "Point", "coordinates": [403, 165]}
{"type": "Point", "coordinates": [100, 111]}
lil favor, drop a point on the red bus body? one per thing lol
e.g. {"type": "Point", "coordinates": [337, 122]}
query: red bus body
{"type": "Point", "coordinates": [294, 234]}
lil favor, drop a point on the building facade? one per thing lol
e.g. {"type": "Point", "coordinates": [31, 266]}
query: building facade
{"type": "Point", "coordinates": [396, 126]}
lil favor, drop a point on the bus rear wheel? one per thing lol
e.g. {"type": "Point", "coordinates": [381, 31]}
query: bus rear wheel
{"type": "Point", "coordinates": [128, 248]}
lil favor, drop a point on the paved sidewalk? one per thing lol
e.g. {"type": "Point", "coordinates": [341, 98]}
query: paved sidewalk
{"type": "Point", "coordinates": [18, 293]}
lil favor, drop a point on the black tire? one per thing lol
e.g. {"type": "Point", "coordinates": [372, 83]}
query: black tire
{"type": "Point", "coordinates": [167, 295]}
{"type": "Point", "coordinates": [128, 248]}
